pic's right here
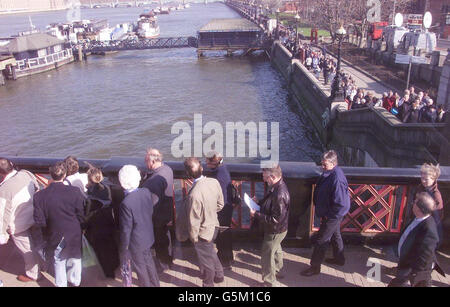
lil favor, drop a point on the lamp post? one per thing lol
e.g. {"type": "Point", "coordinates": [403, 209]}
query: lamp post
{"type": "Point", "coordinates": [337, 92]}
{"type": "Point", "coordinates": [297, 18]}
{"type": "Point", "coordinates": [255, 9]}
{"type": "Point", "coordinates": [260, 13]}
{"type": "Point", "coordinates": [277, 31]}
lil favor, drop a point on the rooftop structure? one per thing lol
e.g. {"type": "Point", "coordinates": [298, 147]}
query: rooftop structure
{"type": "Point", "coordinates": [230, 25]}
{"type": "Point", "coordinates": [30, 42]}
{"type": "Point", "coordinates": [229, 35]}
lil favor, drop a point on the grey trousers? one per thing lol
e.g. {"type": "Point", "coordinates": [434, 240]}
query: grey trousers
{"type": "Point", "coordinates": [144, 266]}
{"type": "Point", "coordinates": [208, 261]}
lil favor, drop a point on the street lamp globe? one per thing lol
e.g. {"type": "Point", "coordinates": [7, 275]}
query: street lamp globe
{"type": "Point", "coordinates": [341, 31]}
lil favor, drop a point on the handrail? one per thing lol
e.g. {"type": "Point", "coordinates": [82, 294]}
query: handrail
{"type": "Point", "coordinates": [380, 196]}
{"type": "Point", "coordinates": [44, 60]}
{"type": "Point", "coordinates": [304, 171]}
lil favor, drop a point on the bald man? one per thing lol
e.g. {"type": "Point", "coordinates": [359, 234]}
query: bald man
{"type": "Point", "coordinates": [204, 200]}
{"type": "Point", "coordinates": [160, 184]}
{"type": "Point", "coordinates": [417, 246]}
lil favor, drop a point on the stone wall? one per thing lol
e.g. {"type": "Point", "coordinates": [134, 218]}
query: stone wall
{"type": "Point", "coordinates": [388, 141]}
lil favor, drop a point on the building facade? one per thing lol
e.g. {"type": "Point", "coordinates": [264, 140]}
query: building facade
{"type": "Point", "coordinates": [17, 6]}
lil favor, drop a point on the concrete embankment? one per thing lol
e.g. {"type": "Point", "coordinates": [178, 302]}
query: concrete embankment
{"type": "Point", "coordinates": [307, 92]}
{"type": "Point", "coordinates": [388, 141]}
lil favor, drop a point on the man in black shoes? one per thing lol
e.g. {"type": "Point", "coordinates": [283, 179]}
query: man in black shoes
{"type": "Point", "coordinates": [332, 202]}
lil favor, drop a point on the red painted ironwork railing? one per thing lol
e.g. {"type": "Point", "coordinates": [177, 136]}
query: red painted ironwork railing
{"type": "Point", "coordinates": [380, 197]}
{"type": "Point", "coordinates": [374, 208]}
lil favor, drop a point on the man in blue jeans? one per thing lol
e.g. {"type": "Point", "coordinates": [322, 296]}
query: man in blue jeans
{"type": "Point", "coordinates": [332, 202]}
{"type": "Point", "coordinates": [59, 211]}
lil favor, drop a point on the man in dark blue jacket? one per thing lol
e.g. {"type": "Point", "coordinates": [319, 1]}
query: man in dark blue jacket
{"type": "Point", "coordinates": [136, 227]}
{"type": "Point", "coordinates": [332, 202]}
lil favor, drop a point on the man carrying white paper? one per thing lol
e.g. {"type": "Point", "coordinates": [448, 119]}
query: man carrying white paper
{"type": "Point", "coordinates": [274, 214]}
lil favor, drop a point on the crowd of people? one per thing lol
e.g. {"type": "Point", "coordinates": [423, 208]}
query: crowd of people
{"type": "Point", "coordinates": [411, 107]}
{"type": "Point", "coordinates": [55, 227]}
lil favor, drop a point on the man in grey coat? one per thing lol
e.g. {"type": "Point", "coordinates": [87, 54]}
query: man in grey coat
{"type": "Point", "coordinates": [204, 200]}
{"type": "Point", "coordinates": [136, 227]}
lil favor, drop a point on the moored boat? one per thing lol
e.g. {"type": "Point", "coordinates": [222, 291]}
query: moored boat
{"type": "Point", "coordinates": [147, 26]}
{"type": "Point", "coordinates": [35, 53]}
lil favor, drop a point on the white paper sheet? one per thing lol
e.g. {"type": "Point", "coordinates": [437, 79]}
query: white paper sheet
{"type": "Point", "coordinates": [250, 202]}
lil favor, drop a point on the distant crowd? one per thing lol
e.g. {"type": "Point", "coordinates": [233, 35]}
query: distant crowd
{"type": "Point", "coordinates": [411, 107]}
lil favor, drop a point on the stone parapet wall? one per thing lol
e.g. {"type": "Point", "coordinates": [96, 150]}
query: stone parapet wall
{"type": "Point", "coordinates": [387, 140]}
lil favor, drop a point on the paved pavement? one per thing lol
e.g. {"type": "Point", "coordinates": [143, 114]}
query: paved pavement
{"type": "Point", "coordinates": [246, 271]}
{"type": "Point", "coordinates": [361, 79]}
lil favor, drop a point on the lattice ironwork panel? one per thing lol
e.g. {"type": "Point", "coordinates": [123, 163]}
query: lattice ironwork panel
{"type": "Point", "coordinates": [373, 209]}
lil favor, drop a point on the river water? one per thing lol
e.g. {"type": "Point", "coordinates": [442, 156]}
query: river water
{"type": "Point", "coordinates": [120, 104]}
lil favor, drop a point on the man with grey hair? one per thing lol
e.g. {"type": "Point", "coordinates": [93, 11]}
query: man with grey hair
{"type": "Point", "coordinates": [332, 202]}
{"type": "Point", "coordinates": [136, 227]}
{"type": "Point", "coordinates": [203, 201]}
{"type": "Point", "coordinates": [160, 184]}
{"type": "Point", "coordinates": [417, 246]}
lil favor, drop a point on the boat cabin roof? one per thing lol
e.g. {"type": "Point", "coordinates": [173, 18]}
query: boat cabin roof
{"type": "Point", "coordinates": [34, 41]}
{"type": "Point", "coordinates": [230, 25]}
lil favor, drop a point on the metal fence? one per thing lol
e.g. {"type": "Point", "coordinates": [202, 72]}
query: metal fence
{"type": "Point", "coordinates": [380, 197]}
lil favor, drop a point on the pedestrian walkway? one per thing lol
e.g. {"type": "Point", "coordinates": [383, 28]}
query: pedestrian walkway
{"type": "Point", "coordinates": [361, 80]}
{"type": "Point", "coordinates": [362, 261]}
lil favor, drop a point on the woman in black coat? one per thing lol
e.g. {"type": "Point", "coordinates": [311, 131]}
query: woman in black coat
{"type": "Point", "coordinates": [101, 227]}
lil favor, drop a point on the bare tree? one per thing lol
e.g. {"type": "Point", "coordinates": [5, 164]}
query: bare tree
{"type": "Point", "coordinates": [329, 14]}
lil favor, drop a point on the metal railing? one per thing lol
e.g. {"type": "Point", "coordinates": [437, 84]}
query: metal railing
{"type": "Point", "coordinates": [380, 197]}
{"type": "Point", "coordinates": [140, 44]}
{"type": "Point", "coordinates": [44, 60]}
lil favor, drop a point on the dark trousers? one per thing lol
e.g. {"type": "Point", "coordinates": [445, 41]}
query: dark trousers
{"type": "Point", "coordinates": [329, 231]}
{"type": "Point", "coordinates": [143, 264]}
{"type": "Point", "coordinates": [224, 242]}
{"type": "Point", "coordinates": [208, 261]}
{"type": "Point", "coordinates": [162, 245]}
{"type": "Point", "coordinates": [107, 253]}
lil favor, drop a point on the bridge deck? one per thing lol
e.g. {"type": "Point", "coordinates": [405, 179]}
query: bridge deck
{"type": "Point", "coordinates": [154, 43]}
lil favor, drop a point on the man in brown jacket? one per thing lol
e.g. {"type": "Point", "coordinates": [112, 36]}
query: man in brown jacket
{"type": "Point", "coordinates": [204, 200]}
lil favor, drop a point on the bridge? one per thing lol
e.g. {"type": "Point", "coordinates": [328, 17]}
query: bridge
{"type": "Point", "coordinates": [142, 44]}
{"type": "Point", "coordinates": [381, 198]}
{"type": "Point", "coordinates": [121, 4]}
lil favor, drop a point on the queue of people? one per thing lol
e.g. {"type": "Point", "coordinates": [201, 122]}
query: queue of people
{"type": "Point", "coordinates": [50, 226]}
{"type": "Point", "coordinates": [411, 107]}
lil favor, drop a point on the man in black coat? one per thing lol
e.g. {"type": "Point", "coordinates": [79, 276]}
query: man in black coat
{"type": "Point", "coordinates": [160, 184]}
{"type": "Point", "coordinates": [417, 246]}
{"type": "Point", "coordinates": [136, 227]}
{"type": "Point", "coordinates": [332, 203]}
{"type": "Point", "coordinates": [274, 216]}
{"type": "Point", "coordinates": [59, 212]}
